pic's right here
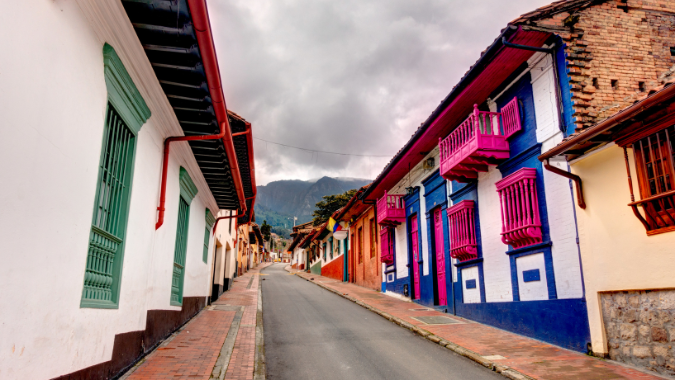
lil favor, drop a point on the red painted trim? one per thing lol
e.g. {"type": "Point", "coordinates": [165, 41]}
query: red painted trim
{"type": "Point", "coordinates": [200, 20]}
{"type": "Point", "coordinates": [489, 72]}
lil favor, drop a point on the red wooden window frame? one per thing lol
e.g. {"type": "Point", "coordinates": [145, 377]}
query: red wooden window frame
{"type": "Point", "coordinates": [521, 224]}
{"type": "Point", "coordinates": [654, 164]}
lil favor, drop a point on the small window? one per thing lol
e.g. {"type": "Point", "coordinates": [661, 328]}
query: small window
{"type": "Point", "coordinates": [615, 84]}
{"type": "Point", "coordinates": [641, 86]}
{"type": "Point", "coordinates": [595, 83]}
{"type": "Point", "coordinates": [672, 51]}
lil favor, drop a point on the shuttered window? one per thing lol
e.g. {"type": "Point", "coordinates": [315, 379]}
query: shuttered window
{"type": "Point", "coordinates": [210, 220]}
{"type": "Point", "coordinates": [188, 190]}
{"type": "Point", "coordinates": [125, 115]}
{"type": "Point", "coordinates": [112, 204]}
{"type": "Point", "coordinates": [179, 253]}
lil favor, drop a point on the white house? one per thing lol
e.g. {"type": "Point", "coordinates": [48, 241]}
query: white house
{"type": "Point", "coordinates": [125, 219]}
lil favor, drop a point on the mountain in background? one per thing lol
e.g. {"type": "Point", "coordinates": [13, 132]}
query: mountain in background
{"type": "Point", "coordinates": [279, 201]}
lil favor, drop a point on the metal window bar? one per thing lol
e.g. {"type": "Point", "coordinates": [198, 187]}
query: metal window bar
{"type": "Point", "coordinates": [107, 230]}
{"type": "Point", "coordinates": [179, 253]}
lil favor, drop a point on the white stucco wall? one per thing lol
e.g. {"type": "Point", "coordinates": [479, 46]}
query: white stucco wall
{"type": "Point", "coordinates": [559, 201]}
{"type": "Point", "coordinates": [52, 109]}
{"type": "Point", "coordinates": [496, 264]}
{"type": "Point", "coordinates": [415, 178]}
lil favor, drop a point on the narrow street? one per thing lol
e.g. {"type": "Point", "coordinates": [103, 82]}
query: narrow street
{"type": "Point", "coordinates": [311, 333]}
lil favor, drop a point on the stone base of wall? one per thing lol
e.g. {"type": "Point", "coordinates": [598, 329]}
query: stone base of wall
{"type": "Point", "coordinates": [640, 328]}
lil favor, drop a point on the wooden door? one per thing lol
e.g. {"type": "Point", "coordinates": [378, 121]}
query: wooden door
{"type": "Point", "coordinates": [440, 257]}
{"type": "Point", "coordinates": [416, 257]}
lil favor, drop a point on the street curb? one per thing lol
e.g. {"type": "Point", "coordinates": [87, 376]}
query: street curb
{"type": "Point", "coordinates": [503, 370]}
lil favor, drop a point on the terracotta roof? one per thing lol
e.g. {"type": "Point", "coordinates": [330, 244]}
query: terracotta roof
{"type": "Point", "coordinates": [643, 103]}
{"type": "Point", "coordinates": [539, 13]}
{"type": "Point", "coordinates": [554, 8]}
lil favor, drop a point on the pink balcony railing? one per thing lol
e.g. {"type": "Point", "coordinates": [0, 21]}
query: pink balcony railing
{"type": "Point", "coordinates": [478, 142]}
{"type": "Point", "coordinates": [386, 246]}
{"type": "Point", "coordinates": [462, 224]}
{"type": "Point", "coordinates": [390, 209]}
{"type": "Point", "coordinates": [521, 225]}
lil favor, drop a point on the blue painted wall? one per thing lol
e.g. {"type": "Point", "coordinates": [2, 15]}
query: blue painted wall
{"type": "Point", "coordinates": [412, 210]}
{"type": "Point", "coordinates": [435, 196]}
{"type": "Point", "coordinates": [562, 322]}
{"type": "Point", "coordinates": [564, 82]}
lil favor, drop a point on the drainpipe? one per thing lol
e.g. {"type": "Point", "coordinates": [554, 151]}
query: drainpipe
{"type": "Point", "coordinates": [224, 128]}
{"type": "Point", "coordinates": [228, 217]}
{"type": "Point", "coordinates": [202, 27]}
{"type": "Point", "coordinates": [577, 180]}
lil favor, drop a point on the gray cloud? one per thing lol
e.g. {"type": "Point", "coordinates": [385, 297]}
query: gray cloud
{"type": "Point", "coordinates": [346, 76]}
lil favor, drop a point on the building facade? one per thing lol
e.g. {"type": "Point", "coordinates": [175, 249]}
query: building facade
{"type": "Point", "coordinates": [130, 222]}
{"type": "Point", "coordinates": [625, 211]}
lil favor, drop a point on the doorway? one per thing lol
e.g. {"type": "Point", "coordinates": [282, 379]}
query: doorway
{"type": "Point", "coordinates": [439, 250]}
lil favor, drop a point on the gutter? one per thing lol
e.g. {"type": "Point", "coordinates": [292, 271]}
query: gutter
{"type": "Point", "coordinates": [491, 51]}
{"type": "Point", "coordinates": [202, 27]}
{"type": "Point", "coordinates": [609, 123]}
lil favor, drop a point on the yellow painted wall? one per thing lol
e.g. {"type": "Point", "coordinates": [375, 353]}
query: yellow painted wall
{"type": "Point", "coordinates": [616, 252]}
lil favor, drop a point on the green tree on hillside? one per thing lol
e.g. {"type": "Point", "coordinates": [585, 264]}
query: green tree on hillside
{"type": "Point", "coordinates": [266, 230]}
{"type": "Point", "coordinates": [330, 204]}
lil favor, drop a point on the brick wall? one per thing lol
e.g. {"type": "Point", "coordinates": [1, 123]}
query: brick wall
{"type": "Point", "coordinates": [612, 48]}
{"type": "Point", "coordinates": [640, 327]}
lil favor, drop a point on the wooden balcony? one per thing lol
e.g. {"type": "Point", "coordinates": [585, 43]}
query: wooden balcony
{"type": "Point", "coordinates": [390, 209]}
{"type": "Point", "coordinates": [462, 225]}
{"type": "Point", "coordinates": [521, 225]}
{"type": "Point", "coordinates": [480, 140]}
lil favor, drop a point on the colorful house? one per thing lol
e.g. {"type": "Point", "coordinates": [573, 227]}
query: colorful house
{"type": "Point", "coordinates": [623, 170]}
{"type": "Point", "coordinates": [123, 183]}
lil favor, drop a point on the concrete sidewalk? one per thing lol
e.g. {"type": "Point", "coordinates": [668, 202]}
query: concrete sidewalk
{"type": "Point", "coordinates": [218, 343]}
{"type": "Point", "coordinates": [512, 355]}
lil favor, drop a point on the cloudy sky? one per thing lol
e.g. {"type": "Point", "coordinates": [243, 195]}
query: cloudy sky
{"type": "Point", "coordinates": [346, 76]}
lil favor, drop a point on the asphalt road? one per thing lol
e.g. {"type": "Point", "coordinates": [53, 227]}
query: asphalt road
{"type": "Point", "coordinates": [311, 333]}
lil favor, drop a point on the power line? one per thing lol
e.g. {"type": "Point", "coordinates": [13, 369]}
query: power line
{"type": "Point", "coordinates": [322, 151]}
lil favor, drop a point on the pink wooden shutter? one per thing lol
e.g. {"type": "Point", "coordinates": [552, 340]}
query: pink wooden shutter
{"type": "Point", "coordinates": [511, 118]}
{"type": "Point", "coordinates": [386, 251]}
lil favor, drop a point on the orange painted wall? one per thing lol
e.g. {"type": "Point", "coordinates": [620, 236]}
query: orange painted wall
{"type": "Point", "coordinates": [366, 264]}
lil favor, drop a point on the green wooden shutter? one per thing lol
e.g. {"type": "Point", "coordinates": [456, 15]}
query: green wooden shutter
{"type": "Point", "coordinates": [188, 190]}
{"type": "Point", "coordinates": [179, 253]}
{"type": "Point", "coordinates": [126, 113]}
{"type": "Point", "coordinates": [109, 222]}
{"type": "Point", "coordinates": [210, 220]}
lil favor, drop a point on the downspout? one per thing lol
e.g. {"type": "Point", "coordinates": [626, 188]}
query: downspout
{"type": "Point", "coordinates": [577, 180]}
{"type": "Point", "coordinates": [229, 217]}
{"type": "Point", "coordinates": [200, 20]}
{"type": "Point", "coordinates": [224, 129]}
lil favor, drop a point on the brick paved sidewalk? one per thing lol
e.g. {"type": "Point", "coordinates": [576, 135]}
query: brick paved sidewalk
{"type": "Point", "coordinates": [494, 347]}
{"type": "Point", "coordinates": [194, 351]}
